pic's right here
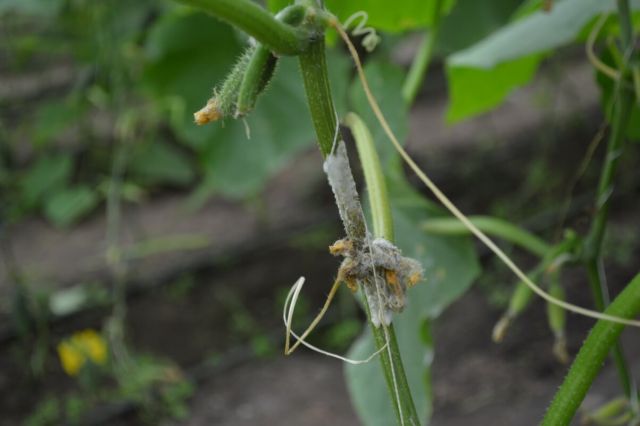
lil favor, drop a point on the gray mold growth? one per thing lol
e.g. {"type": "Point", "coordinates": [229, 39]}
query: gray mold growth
{"type": "Point", "coordinates": [375, 265]}
{"type": "Point", "coordinates": [338, 171]}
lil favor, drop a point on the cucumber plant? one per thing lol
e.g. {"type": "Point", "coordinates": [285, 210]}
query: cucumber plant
{"type": "Point", "coordinates": [480, 77]}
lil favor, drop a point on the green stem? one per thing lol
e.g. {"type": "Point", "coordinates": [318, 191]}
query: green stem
{"type": "Point", "coordinates": [383, 227]}
{"type": "Point", "coordinates": [420, 64]}
{"type": "Point", "coordinates": [622, 105]}
{"type": "Point", "coordinates": [257, 22]}
{"type": "Point", "coordinates": [316, 82]}
{"type": "Point", "coordinates": [591, 357]}
{"type": "Point", "coordinates": [313, 64]}
{"type": "Point", "coordinates": [492, 226]}
{"type": "Point", "coordinates": [373, 176]}
{"type": "Point", "coordinates": [600, 298]}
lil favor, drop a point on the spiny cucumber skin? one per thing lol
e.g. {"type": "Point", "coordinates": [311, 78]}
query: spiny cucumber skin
{"type": "Point", "coordinates": [226, 95]}
{"type": "Point", "coordinates": [259, 71]}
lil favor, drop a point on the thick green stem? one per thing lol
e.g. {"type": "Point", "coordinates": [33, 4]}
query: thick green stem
{"type": "Point", "coordinates": [601, 301]}
{"type": "Point", "coordinates": [492, 226]}
{"type": "Point", "coordinates": [621, 113]}
{"type": "Point", "coordinates": [383, 227]}
{"type": "Point", "coordinates": [591, 357]}
{"type": "Point", "coordinates": [373, 176]}
{"type": "Point", "coordinates": [420, 64]}
{"type": "Point", "coordinates": [257, 22]}
{"type": "Point", "coordinates": [320, 100]}
{"type": "Point", "coordinates": [313, 64]}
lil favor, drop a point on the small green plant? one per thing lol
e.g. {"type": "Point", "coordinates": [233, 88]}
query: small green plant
{"type": "Point", "coordinates": [376, 266]}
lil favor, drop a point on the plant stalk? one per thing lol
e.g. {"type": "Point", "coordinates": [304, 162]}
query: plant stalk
{"type": "Point", "coordinates": [257, 22]}
{"type": "Point", "coordinates": [383, 227]}
{"type": "Point", "coordinates": [316, 82]}
{"type": "Point", "coordinates": [493, 226]}
{"type": "Point", "coordinates": [420, 64]}
{"type": "Point", "coordinates": [313, 64]}
{"type": "Point", "coordinates": [591, 357]}
{"type": "Point", "coordinates": [621, 113]}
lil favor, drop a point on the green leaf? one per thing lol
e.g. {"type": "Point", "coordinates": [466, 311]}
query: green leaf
{"type": "Point", "coordinates": [158, 163]}
{"type": "Point", "coordinates": [42, 8]}
{"type": "Point", "coordinates": [481, 76]}
{"type": "Point", "coordinates": [450, 263]}
{"type": "Point", "coordinates": [472, 20]}
{"type": "Point", "coordinates": [386, 82]}
{"type": "Point", "coordinates": [49, 173]}
{"type": "Point", "coordinates": [54, 117]}
{"type": "Point", "coordinates": [277, 5]}
{"type": "Point", "coordinates": [476, 90]}
{"type": "Point", "coordinates": [366, 384]}
{"type": "Point", "coordinates": [185, 66]}
{"type": "Point", "coordinates": [404, 15]}
{"type": "Point", "coordinates": [69, 205]}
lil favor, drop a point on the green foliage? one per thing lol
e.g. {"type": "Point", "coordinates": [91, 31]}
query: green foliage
{"type": "Point", "coordinates": [182, 66]}
{"type": "Point", "coordinates": [160, 163]}
{"type": "Point", "coordinates": [475, 90]}
{"type": "Point", "coordinates": [607, 86]}
{"type": "Point", "coordinates": [481, 76]}
{"type": "Point", "coordinates": [386, 82]}
{"type": "Point", "coordinates": [405, 15]}
{"type": "Point", "coordinates": [49, 174]}
{"type": "Point", "coordinates": [69, 204]}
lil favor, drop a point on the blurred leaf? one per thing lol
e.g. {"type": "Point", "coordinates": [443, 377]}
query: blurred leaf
{"type": "Point", "coordinates": [159, 163]}
{"type": "Point", "coordinates": [67, 206]}
{"type": "Point", "coordinates": [31, 7]}
{"type": "Point", "coordinates": [276, 5]}
{"type": "Point", "coordinates": [481, 76]}
{"type": "Point", "coordinates": [404, 15]}
{"type": "Point", "coordinates": [472, 20]}
{"type": "Point", "coordinates": [450, 263]}
{"type": "Point", "coordinates": [476, 90]}
{"type": "Point", "coordinates": [54, 117]}
{"type": "Point", "coordinates": [48, 174]}
{"type": "Point", "coordinates": [184, 67]}
{"type": "Point", "coordinates": [386, 82]}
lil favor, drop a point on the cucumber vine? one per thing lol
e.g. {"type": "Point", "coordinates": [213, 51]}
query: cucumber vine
{"type": "Point", "coordinates": [371, 261]}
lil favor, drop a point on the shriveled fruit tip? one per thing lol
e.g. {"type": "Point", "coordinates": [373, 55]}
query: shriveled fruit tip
{"type": "Point", "coordinates": [208, 114]}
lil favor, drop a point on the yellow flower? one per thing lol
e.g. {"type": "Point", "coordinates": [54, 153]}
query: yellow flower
{"type": "Point", "coordinates": [82, 346]}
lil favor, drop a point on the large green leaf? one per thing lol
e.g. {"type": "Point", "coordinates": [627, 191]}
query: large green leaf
{"type": "Point", "coordinates": [472, 20]}
{"type": "Point", "coordinates": [473, 90]}
{"type": "Point", "coordinates": [190, 53]}
{"type": "Point", "coordinates": [481, 76]}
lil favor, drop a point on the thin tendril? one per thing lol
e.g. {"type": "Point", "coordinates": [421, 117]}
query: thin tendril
{"type": "Point", "coordinates": [287, 317]}
{"type": "Point", "coordinates": [593, 58]}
